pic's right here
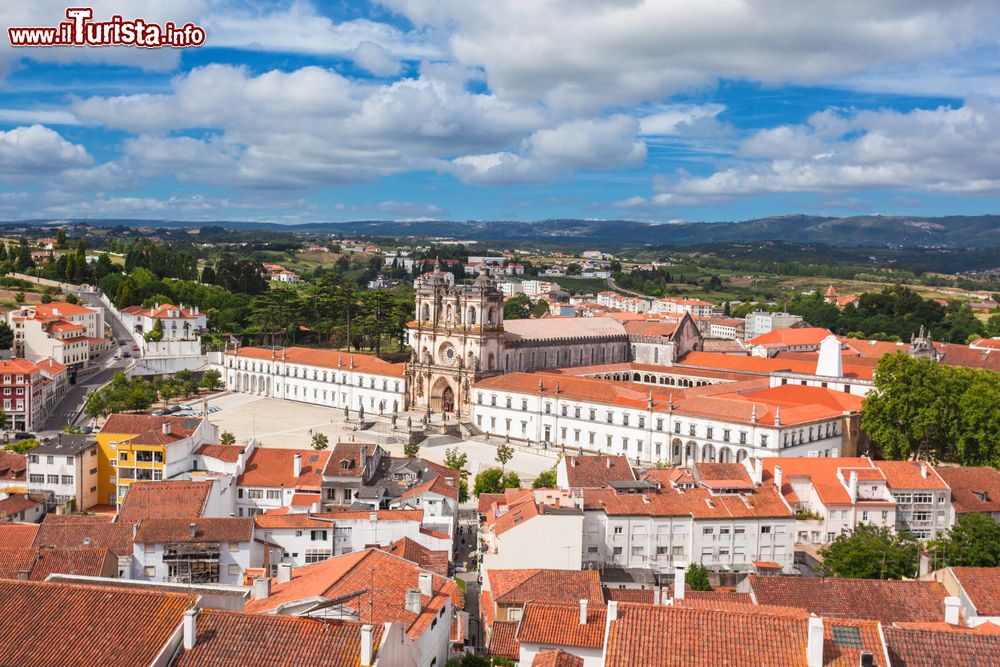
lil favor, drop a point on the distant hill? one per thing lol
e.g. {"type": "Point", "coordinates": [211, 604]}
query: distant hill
{"type": "Point", "coordinates": [868, 230]}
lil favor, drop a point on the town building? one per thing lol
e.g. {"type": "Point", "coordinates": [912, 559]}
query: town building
{"type": "Point", "coordinates": [216, 550]}
{"type": "Point", "coordinates": [759, 323]}
{"type": "Point", "coordinates": [275, 478]}
{"type": "Point", "coordinates": [68, 333]}
{"type": "Point", "coordinates": [974, 489]}
{"type": "Point", "coordinates": [680, 305]}
{"type": "Point", "coordinates": [13, 471]}
{"type": "Point", "coordinates": [975, 589]}
{"type": "Point", "coordinates": [23, 507]}
{"type": "Point", "coordinates": [66, 467]}
{"type": "Point", "coordinates": [518, 521]}
{"type": "Point", "coordinates": [177, 323]}
{"type": "Point", "coordinates": [22, 384]}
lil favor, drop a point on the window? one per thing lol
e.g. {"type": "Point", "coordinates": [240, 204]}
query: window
{"type": "Point", "coordinates": [274, 494]}
{"type": "Point", "coordinates": [618, 530]}
{"type": "Point", "coordinates": [317, 535]}
{"type": "Point", "coordinates": [923, 497]}
{"type": "Point", "coordinates": [691, 430]}
{"type": "Point", "coordinates": [67, 479]}
{"type": "Point", "coordinates": [33, 458]}
{"type": "Point", "coordinates": [763, 440]}
{"type": "Point", "coordinates": [255, 494]}
{"type": "Point", "coordinates": [625, 419]}
{"type": "Point", "coordinates": [708, 432]}
{"type": "Point", "coordinates": [317, 555]}
{"type": "Point", "coordinates": [618, 551]}
{"type": "Point", "coordinates": [149, 571]}
{"type": "Point", "coordinates": [52, 479]}
{"type": "Point", "coordinates": [36, 479]}
{"type": "Point", "coordinates": [725, 435]}
{"type": "Point", "coordinates": [677, 427]}
{"type": "Point", "coordinates": [743, 437]}
{"type": "Point", "coordinates": [708, 531]}
{"type": "Point", "coordinates": [677, 551]}
{"type": "Point", "coordinates": [659, 424]}
{"type": "Point", "coordinates": [591, 550]}
{"type": "Point", "coordinates": [765, 530]}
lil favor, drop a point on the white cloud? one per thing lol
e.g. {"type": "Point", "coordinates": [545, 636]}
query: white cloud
{"type": "Point", "coordinates": [375, 59]}
{"type": "Point", "coordinates": [679, 118]}
{"type": "Point", "coordinates": [35, 149]}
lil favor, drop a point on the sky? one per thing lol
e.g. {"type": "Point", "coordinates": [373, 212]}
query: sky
{"type": "Point", "coordinates": [656, 110]}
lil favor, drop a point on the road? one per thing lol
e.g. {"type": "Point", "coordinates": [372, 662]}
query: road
{"type": "Point", "coordinates": [76, 395]}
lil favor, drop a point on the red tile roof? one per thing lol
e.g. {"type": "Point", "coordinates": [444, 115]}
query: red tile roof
{"type": "Point", "coordinates": [924, 648]}
{"type": "Point", "coordinates": [559, 625]}
{"type": "Point", "coordinates": [503, 640]}
{"type": "Point", "coordinates": [982, 585]}
{"type": "Point", "coordinates": [148, 429]}
{"type": "Point", "coordinates": [794, 336]}
{"type": "Point", "coordinates": [86, 561]}
{"type": "Point", "coordinates": [15, 560]}
{"type": "Point", "coordinates": [18, 535]}
{"type": "Point", "coordinates": [538, 585]}
{"type": "Point", "coordinates": [821, 471]}
{"type": "Point", "coordinates": [19, 502]}
{"type": "Point", "coordinates": [596, 472]}
{"type": "Point", "coordinates": [52, 625]}
{"type": "Point", "coordinates": [233, 639]}
{"type": "Point", "coordinates": [226, 453]}
{"type": "Point", "coordinates": [159, 531]}
{"type": "Point", "coordinates": [973, 489]}
{"type": "Point", "coordinates": [12, 465]}
{"type": "Point", "coordinates": [885, 601]}
{"type": "Point", "coordinates": [59, 309]}
{"type": "Point", "coordinates": [91, 530]}
{"type": "Point", "coordinates": [911, 475]}
{"type": "Point", "coordinates": [282, 518]}
{"type": "Point", "coordinates": [762, 366]}
{"type": "Point", "coordinates": [557, 658]}
{"type": "Point", "coordinates": [428, 559]}
{"type": "Point", "coordinates": [698, 502]}
{"type": "Point", "coordinates": [165, 500]}
{"type": "Point", "coordinates": [362, 363]}
{"type": "Point", "coordinates": [274, 468]}
{"type": "Point", "coordinates": [680, 636]}
{"type": "Point", "coordinates": [633, 595]}
{"type": "Point", "coordinates": [349, 453]}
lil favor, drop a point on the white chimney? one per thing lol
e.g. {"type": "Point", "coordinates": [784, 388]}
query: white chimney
{"type": "Point", "coordinates": [757, 469]}
{"type": "Point", "coordinates": [426, 581]}
{"type": "Point", "coordinates": [852, 486]}
{"type": "Point", "coordinates": [612, 610]}
{"type": "Point", "coordinates": [367, 646]}
{"type": "Point", "coordinates": [166, 428]}
{"type": "Point", "coordinates": [413, 601]}
{"type": "Point", "coordinates": [261, 588]}
{"type": "Point", "coordinates": [951, 607]}
{"type": "Point", "coordinates": [284, 573]}
{"type": "Point", "coordinates": [190, 624]}
{"type": "Point", "coordinates": [923, 470]}
{"type": "Point", "coordinates": [583, 612]}
{"type": "Point", "coordinates": [192, 529]}
{"type": "Point", "coordinates": [830, 362]}
{"type": "Point", "coordinates": [296, 465]}
{"type": "Point", "coordinates": [814, 649]}
{"type": "Point", "coordinates": [779, 477]}
{"type": "Point", "coordinates": [656, 597]}
{"type": "Point", "coordinates": [680, 575]}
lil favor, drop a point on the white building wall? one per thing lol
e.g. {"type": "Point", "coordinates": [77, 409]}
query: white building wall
{"type": "Point", "coordinates": [519, 547]}
{"type": "Point", "coordinates": [148, 565]}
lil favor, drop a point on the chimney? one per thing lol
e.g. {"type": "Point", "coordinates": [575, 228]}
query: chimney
{"type": "Point", "coordinates": [656, 596]}
{"type": "Point", "coordinates": [297, 466]}
{"type": "Point", "coordinates": [367, 646]}
{"type": "Point", "coordinates": [426, 582]}
{"type": "Point", "coordinates": [261, 588]}
{"type": "Point", "coordinates": [951, 607]}
{"type": "Point", "coordinates": [830, 362]}
{"type": "Point", "coordinates": [779, 477]}
{"type": "Point", "coordinates": [852, 486]}
{"type": "Point", "coordinates": [608, 461]}
{"type": "Point", "coordinates": [583, 612]}
{"type": "Point", "coordinates": [758, 470]}
{"type": "Point", "coordinates": [284, 573]}
{"type": "Point", "coordinates": [612, 610]}
{"type": "Point", "coordinates": [923, 470]}
{"type": "Point", "coordinates": [166, 428]}
{"type": "Point", "coordinates": [413, 601]}
{"type": "Point", "coordinates": [680, 575]}
{"type": "Point", "coordinates": [192, 529]}
{"type": "Point", "coordinates": [814, 648]}
{"type": "Point", "coordinates": [190, 623]}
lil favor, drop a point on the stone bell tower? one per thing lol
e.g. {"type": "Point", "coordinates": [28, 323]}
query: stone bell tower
{"type": "Point", "coordinates": [457, 338]}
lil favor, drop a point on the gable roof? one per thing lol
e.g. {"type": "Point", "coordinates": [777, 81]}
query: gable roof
{"type": "Point", "coordinates": [973, 489]}
{"type": "Point", "coordinates": [273, 468]}
{"type": "Point", "coordinates": [86, 561]}
{"type": "Point", "coordinates": [886, 601]}
{"type": "Point", "coordinates": [555, 328]}
{"type": "Point", "coordinates": [596, 472]}
{"type": "Point", "coordinates": [226, 453]}
{"type": "Point", "coordinates": [428, 559]}
{"type": "Point", "coordinates": [15, 535]}
{"type": "Point", "coordinates": [90, 530]}
{"type": "Point", "coordinates": [911, 475]}
{"type": "Point", "coordinates": [148, 429]}
{"type": "Point", "coordinates": [538, 585]}
{"type": "Point", "coordinates": [926, 648]}
{"type": "Point", "coordinates": [503, 640]}
{"type": "Point", "coordinates": [231, 530]}
{"type": "Point", "coordinates": [559, 625]}
{"type": "Point", "coordinates": [556, 658]}
{"type": "Point", "coordinates": [362, 363]}
{"type": "Point", "coordinates": [982, 585]}
{"type": "Point", "coordinates": [51, 625]}
{"type": "Point", "coordinates": [165, 500]}
{"type": "Point", "coordinates": [234, 639]}
{"type": "Point", "coordinates": [791, 337]}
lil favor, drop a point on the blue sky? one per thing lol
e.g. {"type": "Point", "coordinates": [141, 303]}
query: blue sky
{"type": "Point", "coordinates": [504, 109]}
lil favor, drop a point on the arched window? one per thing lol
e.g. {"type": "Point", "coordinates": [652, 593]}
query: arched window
{"type": "Point", "coordinates": [491, 364]}
{"type": "Point", "coordinates": [425, 314]}
{"type": "Point", "coordinates": [472, 316]}
{"type": "Point", "coordinates": [490, 316]}
{"type": "Point", "coordinates": [448, 313]}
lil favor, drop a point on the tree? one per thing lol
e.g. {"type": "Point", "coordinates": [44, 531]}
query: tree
{"type": "Point", "coordinates": [545, 480]}
{"type": "Point", "coordinates": [411, 450]}
{"type": "Point", "coordinates": [697, 578]}
{"type": "Point", "coordinates": [320, 441]}
{"type": "Point", "coordinates": [459, 461]}
{"type": "Point", "coordinates": [495, 480]}
{"type": "Point", "coordinates": [6, 336]}
{"type": "Point", "coordinates": [47, 295]}
{"type": "Point", "coordinates": [122, 394]}
{"type": "Point", "coordinates": [61, 238]}
{"type": "Point", "coordinates": [517, 308]}
{"type": "Point", "coordinates": [72, 298]}
{"type": "Point", "coordinates": [23, 446]}
{"type": "Point", "coordinates": [504, 454]}
{"type": "Point", "coordinates": [19, 297]}
{"type": "Point", "coordinates": [974, 541]}
{"type": "Point", "coordinates": [156, 333]}
{"type": "Point", "coordinates": [872, 552]}
{"type": "Point", "coordinates": [208, 275]}
{"type": "Point", "coordinates": [227, 438]}
{"type": "Point", "coordinates": [211, 380]}
{"type": "Point", "coordinates": [3, 420]}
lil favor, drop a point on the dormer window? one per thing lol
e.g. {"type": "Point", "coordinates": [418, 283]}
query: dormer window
{"type": "Point", "coordinates": [345, 464]}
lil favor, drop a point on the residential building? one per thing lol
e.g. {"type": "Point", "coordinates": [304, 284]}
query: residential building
{"type": "Point", "coordinates": [193, 550]}
{"type": "Point", "coordinates": [592, 472]}
{"type": "Point", "coordinates": [517, 522]}
{"type": "Point", "coordinates": [143, 447]}
{"type": "Point", "coordinates": [179, 499]}
{"type": "Point", "coordinates": [345, 380]}
{"type": "Point", "coordinates": [23, 507]}
{"type": "Point", "coordinates": [55, 381]}
{"type": "Point", "coordinates": [13, 471]}
{"type": "Point", "coordinates": [973, 489]}
{"type": "Point", "coordinates": [66, 467]}
{"type": "Point", "coordinates": [177, 322]}
{"type": "Point", "coordinates": [577, 629]}
{"type": "Point", "coordinates": [68, 333]}
{"type": "Point", "coordinates": [761, 322]}
{"type": "Point", "coordinates": [370, 586]}
{"type": "Point", "coordinates": [275, 478]}
{"type": "Point", "coordinates": [976, 589]}
{"type": "Point", "coordinates": [923, 499]}
{"type": "Point", "coordinates": [795, 339]}
{"type": "Point", "coordinates": [37, 563]}
{"type": "Point", "coordinates": [680, 305]}
{"type": "Point", "coordinates": [23, 388]}
{"type": "Point", "coordinates": [92, 530]}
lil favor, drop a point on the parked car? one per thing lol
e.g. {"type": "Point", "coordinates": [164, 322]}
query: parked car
{"type": "Point", "coordinates": [126, 353]}
{"type": "Point", "coordinates": [24, 435]}
{"type": "Point", "coordinates": [135, 347]}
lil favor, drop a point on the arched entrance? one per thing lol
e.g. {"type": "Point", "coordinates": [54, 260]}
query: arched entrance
{"type": "Point", "coordinates": [442, 396]}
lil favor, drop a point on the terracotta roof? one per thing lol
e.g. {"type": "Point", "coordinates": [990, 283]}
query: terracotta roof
{"type": "Point", "coordinates": [697, 502]}
{"type": "Point", "coordinates": [762, 366]}
{"type": "Point", "coordinates": [987, 343]}
{"type": "Point", "coordinates": [52, 625]}
{"type": "Point", "coordinates": [12, 465]}
{"type": "Point", "coordinates": [233, 639]}
{"type": "Point", "coordinates": [722, 475]}
{"type": "Point", "coordinates": [165, 500]}
{"type": "Point", "coordinates": [923, 648]}
{"type": "Point", "coordinates": [274, 468]}
{"type": "Point", "coordinates": [86, 561]}
{"type": "Point", "coordinates": [538, 585]}
{"type": "Point", "coordinates": [597, 471]}
{"type": "Point", "coordinates": [651, 328]}
{"type": "Point", "coordinates": [52, 366]}
{"type": "Point", "coordinates": [352, 575]}
{"type": "Point", "coordinates": [14, 560]}
{"type": "Point", "coordinates": [282, 518]}
{"type": "Point", "coordinates": [792, 337]}
{"type": "Point", "coordinates": [77, 531]}
{"type": "Point", "coordinates": [633, 595]}
{"type": "Point", "coordinates": [150, 426]}
{"type": "Point", "coordinates": [679, 636]}
{"type": "Point", "coordinates": [822, 472]}
{"type": "Point", "coordinates": [19, 502]}
{"type": "Point", "coordinates": [910, 475]}
{"type": "Point", "coordinates": [885, 601]}
{"type": "Point", "coordinates": [428, 559]}
{"type": "Point", "coordinates": [163, 312]}
{"type": "Point", "coordinates": [361, 363]}
{"type": "Point", "coordinates": [982, 585]}
{"type": "Point", "coordinates": [557, 658]}
{"type": "Point", "coordinates": [226, 453]}
{"type": "Point", "coordinates": [17, 535]}
{"type": "Point", "coordinates": [559, 625]}
{"type": "Point", "coordinates": [973, 489]}
{"type": "Point", "coordinates": [349, 453]}
{"type": "Point", "coordinates": [17, 365]}
{"type": "Point", "coordinates": [438, 484]}
{"type": "Point", "coordinates": [716, 596]}
{"type": "Point", "coordinates": [232, 530]}
{"type": "Point", "coordinates": [503, 640]}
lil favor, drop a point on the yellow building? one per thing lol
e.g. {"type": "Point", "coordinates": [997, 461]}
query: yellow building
{"type": "Point", "coordinates": [140, 447]}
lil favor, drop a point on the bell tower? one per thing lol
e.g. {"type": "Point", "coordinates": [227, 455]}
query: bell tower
{"type": "Point", "coordinates": [456, 338]}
